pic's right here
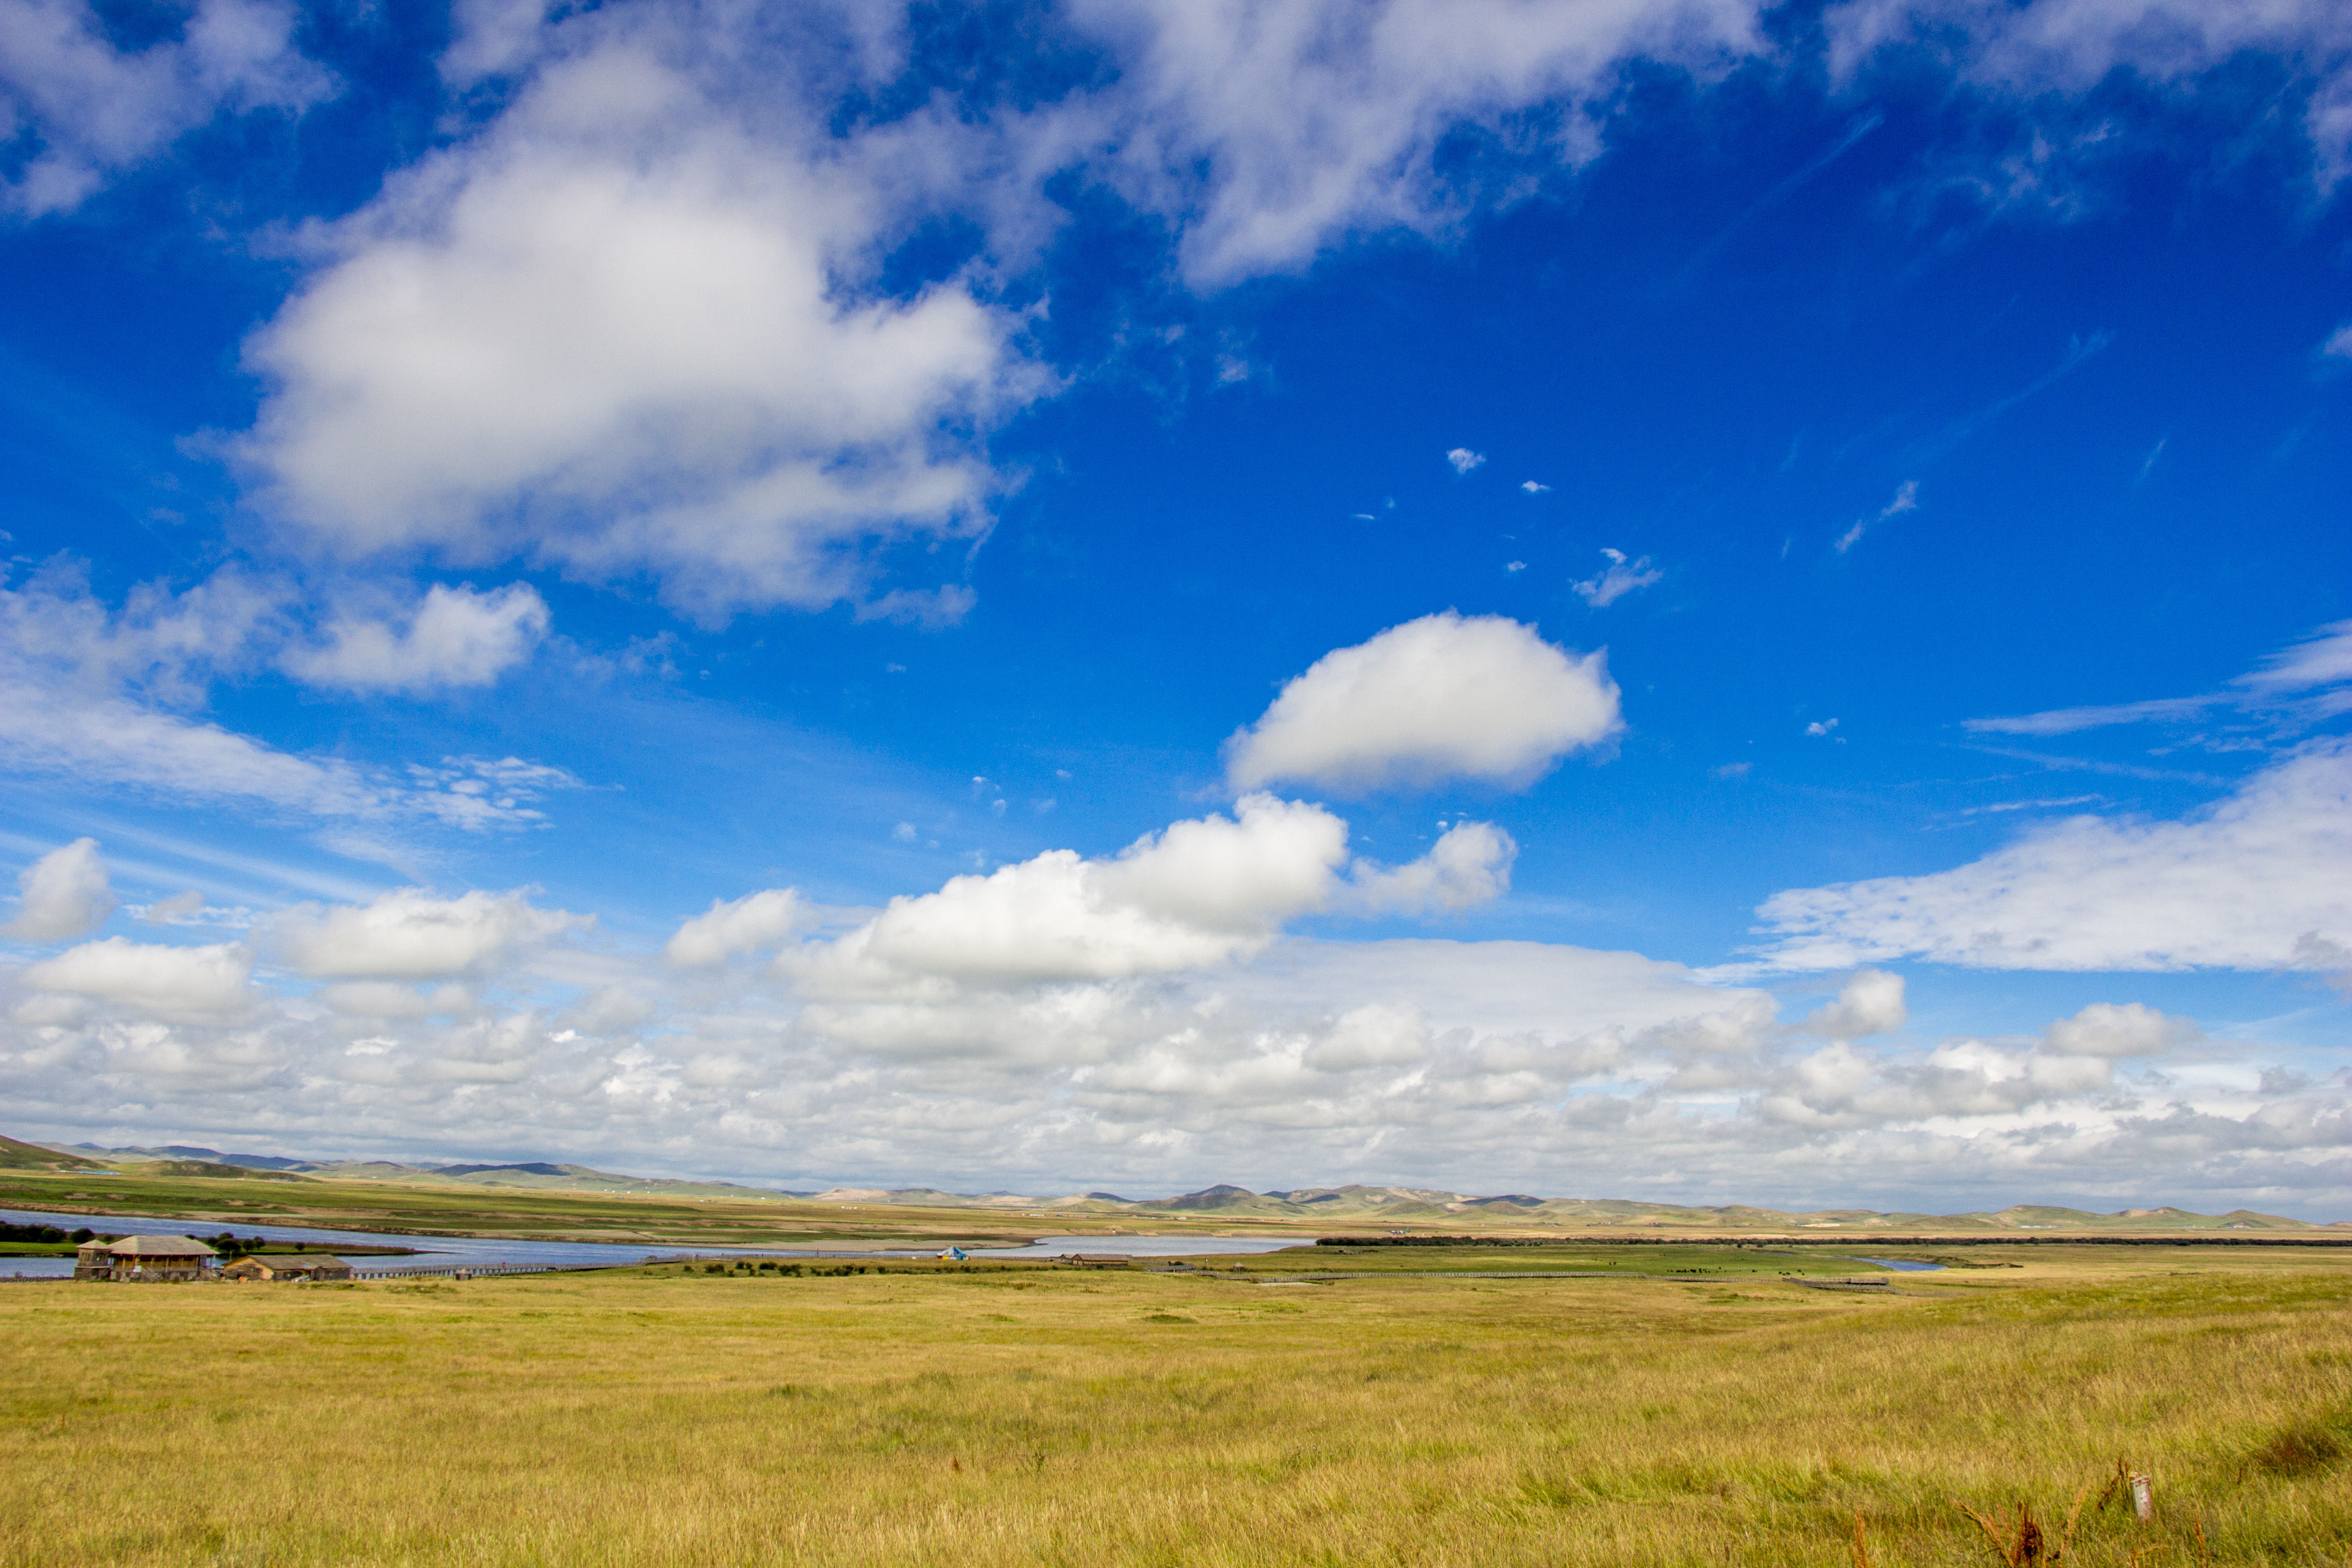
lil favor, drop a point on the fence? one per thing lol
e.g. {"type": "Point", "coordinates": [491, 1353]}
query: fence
{"type": "Point", "coordinates": [480, 1271]}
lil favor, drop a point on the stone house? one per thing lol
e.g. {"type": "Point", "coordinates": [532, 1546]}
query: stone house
{"type": "Point", "coordinates": [144, 1258]}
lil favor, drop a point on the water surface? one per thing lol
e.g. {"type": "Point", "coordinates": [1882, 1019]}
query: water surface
{"type": "Point", "coordinates": [457, 1250]}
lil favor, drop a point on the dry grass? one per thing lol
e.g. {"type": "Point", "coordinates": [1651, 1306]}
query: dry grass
{"type": "Point", "coordinates": [1129, 1419]}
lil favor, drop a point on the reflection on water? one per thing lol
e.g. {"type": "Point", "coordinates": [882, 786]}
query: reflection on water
{"type": "Point", "coordinates": [1902, 1265]}
{"type": "Point", "coordinates": [1150, 1246]}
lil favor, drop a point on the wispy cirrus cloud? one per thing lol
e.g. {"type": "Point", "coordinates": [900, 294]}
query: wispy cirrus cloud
{"type": "Point", "coordinates": [1620, 578]}
{"type": "Point", "coordinates": [113, 695]}
{"type": "Point", "coordinates": [2307, 682]}
{"type": "Point", "coordinates": [1906, 499]}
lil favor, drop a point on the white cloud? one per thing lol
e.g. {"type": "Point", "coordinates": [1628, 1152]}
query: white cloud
{"type": "Point", "coordinates": [1480, 1066]}
{"type": "Point", "coordinates": [62, 895]}
{"type": "Point", "coordinates": [179, 908]}
{"type": "Point", "coordinates": [389, 999]}
{"type": "Point", "coordinates": [1821, 727]}
{"type": "Point", "coordinates": [2322, 659]}
{"type": "Point", "coordinates": [2066, 721]}
{"type": "Point", "coordinates": [2303, 682]}
{"type": "Point", "coordinates": [1470, 864]}
{"type": "Point", "coordinates": [2340, 344]}
{"type": "Point", "coordinates": [1274, 131]}
{"type": "Point", "coordinates": [619, 332]}
{"type": "Point", "coordinates": [1534, 488]}
{"type": "Point", "coordinates": [2071, 45]}
{"type": "Point", "coordinates": [2050, 1086]}
{"type": "Point", "coordinates": [2238, 885]}
{"type": "Point", "coordinates": [1621, 578]}
{"type": "Point", "coordinates": [100, 696]}
{"type": "Point", "coordinates": [1906, 499]}
{"type": "Point", "coordinates": [1871, 1004]}
{"type": "Point", "coordinates": [169, 982]}
{"type": "Point", "coordinates": [96, 111]}
{"type": "Point", "coordinates": [761, 919]}
{"type": "Point", "coordinates": [1195, 894]}
{"type": "Point", "coordinates": [409, 935]}
{"type": "Point", "coordinates": [1377, 1036]}
{"type": "Point", "coordinates": [1446, 696]}
{"type": "Point", "coordinates": [455, 636]}
{"type": "Point", "coordinates": [491, 37]}
{"type": "Point", "coordinates": [1463, 459]}
{"type": "Point", "coordinates": [2129, 1029]}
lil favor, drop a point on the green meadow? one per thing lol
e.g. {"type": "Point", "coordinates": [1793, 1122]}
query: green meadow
{"type": "Point", "coordinates": [1692, 1406]}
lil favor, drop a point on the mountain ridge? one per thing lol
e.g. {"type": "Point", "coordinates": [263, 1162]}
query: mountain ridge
{"type": "Point", "coordinates": [1353, 1203]}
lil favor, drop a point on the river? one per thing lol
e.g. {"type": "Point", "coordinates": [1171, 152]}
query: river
{"type": "Point", "coordinates": [490, 1249]}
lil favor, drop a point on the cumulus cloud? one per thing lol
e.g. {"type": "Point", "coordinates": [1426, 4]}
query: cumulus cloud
{"type": "Point", "coordinates": [1470, 864]}
{"type": "Point", "coordinates": [169, 982]}
{"type": "Point", "coordinates": [409, 935]}
{"type": "Point", "coordinates": [1446, 696]}
{"type": "Point", "coordinates": [1483, 1065]}
{"type": "Point", "coordinates": [62, 895]}
{"type": "Point", "coordinates": [389, 999]}
{"type": "Point", "coordinates": [2073, 1062]}
{"type": "Point", "coordinates": [1621, 578]}
{"type": "Point", "coordinates": [1195, 894]}
{"type": "Point", "coordinates": [761, 919]}
{"type": "Point", "coordinates": [455, 636]}
{"type": "Point", "coordinates": [2109, 1029]}
{"type": "Point", "coordinates": [1462, 460]}
{"type": "Point", "coordinates": [93, 110]}
{"type": "Point", "coordinates": [618, 333]}
{"type": "Point", "coordinates": [1871, 1004]}
{"type": "Point", "coordinates": [2239, 885]}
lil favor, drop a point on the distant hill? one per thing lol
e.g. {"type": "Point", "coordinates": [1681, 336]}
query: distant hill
{"type": "Point", "coordinates": [212, 1168]}
{"type": "Point", "coordinates": [175, 1152]}
{"type": "Point", "coordinates": [1352, 1207]}
{"type": "Point", "coordinates": [16, 1156]}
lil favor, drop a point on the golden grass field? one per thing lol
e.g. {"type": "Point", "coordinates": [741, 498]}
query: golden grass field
{"type": "Point", "coordinates": [1032, 1414]}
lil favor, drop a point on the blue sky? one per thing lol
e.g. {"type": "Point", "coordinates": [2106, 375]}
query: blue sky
{"type": "Point", "coordinates": [1685, 602]}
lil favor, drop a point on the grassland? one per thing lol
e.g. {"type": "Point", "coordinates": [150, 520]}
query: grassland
{"type": "Point", "coordinates": [1026, 1414]}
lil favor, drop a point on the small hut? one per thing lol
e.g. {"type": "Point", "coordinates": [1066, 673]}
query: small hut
{"type": "Point", "coordinates": [145, 1259]}
{"type": "Point", "coordinates": [310, 1266]}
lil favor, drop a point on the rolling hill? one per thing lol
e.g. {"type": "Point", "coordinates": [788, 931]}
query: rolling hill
{"type": "Point", "coordinates": [1353, 1206]}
